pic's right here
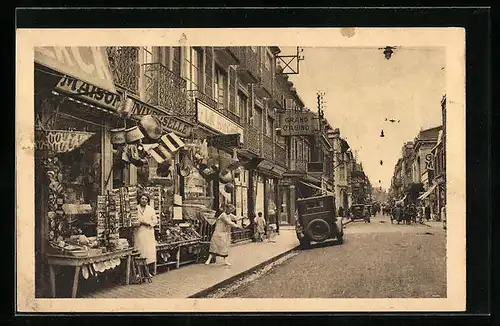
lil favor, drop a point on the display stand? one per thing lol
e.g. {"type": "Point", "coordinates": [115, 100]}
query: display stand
{"type": "Point", "coordinates": [55, 260]}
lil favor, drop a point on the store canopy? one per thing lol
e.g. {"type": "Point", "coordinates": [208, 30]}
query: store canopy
{"type": "Point", "coordinates": [87, 63]}
{"type": "Point", "coordinates": [428, 192]}
{"type": "Point", "coordinates": [316, 187]}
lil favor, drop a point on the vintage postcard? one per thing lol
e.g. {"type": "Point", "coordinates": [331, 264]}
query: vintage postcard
{"type": "Point", "coordinates": [240, 170]}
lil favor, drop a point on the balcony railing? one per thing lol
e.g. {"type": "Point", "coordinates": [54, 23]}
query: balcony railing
{"type": "Point", "coordinates": [124, 66]}
{"type": "Point", "coordinates": [267, 147]}
{"type": "Point", "coordinates": [249, 67]}
{"type": "Point", "coordinates": [298, 166]}
{"type": "Point", "coordinates": [280, 155]}
{"type": "Point", "coordinates": [196, 94]}
{"type": "Point", "coordinates": [252, 139]}
{"type": "Point", "coordinates": [164, 88]}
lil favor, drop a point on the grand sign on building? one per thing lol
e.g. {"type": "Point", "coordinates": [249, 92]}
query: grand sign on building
{"type": "Point", "coordinates": [294, 123]}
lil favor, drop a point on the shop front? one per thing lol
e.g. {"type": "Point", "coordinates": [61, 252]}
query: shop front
{"type": "Point", "coordinates": [232, 179]}
{"type": "Point", "coordinates": [76, 231]}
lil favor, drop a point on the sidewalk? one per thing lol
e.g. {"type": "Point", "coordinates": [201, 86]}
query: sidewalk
{"type": "Point", "coordinates": [189, 280]}
{"type": "Point", "coordinates": [434, 224]}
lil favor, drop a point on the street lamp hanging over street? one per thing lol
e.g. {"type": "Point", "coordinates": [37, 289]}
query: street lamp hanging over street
{"type": "Point", "coordinates": [388, 51]}
{"type": "Point", "coordinates": [382, 133]}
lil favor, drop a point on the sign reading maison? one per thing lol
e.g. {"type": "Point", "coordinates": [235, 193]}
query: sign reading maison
{"type": "Point", "coordinates": [296, 124]}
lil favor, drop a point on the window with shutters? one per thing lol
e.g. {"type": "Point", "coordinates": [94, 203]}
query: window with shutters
{"type": "Point", "coordinates": [220, 87]}
{"type": "Point", "coordinates": [194, 66]}
{"type": "Point", "coordinates": [257, 119]}
{"type": "Point", "coordinates": [268, 62]}
{"type": "Point", "coordinates": [269, 127]}
{"type": "Point", "coordinates": [176, 60]}
{"type": "Point", "coordinates": [242, 105]}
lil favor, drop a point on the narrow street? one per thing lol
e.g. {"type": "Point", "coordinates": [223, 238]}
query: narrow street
{"type": "Point", "coordinates": [377, 260]}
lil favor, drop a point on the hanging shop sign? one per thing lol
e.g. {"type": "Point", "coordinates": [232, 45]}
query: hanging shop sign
{"type": "Point", "coordinates": [60, 141]}
{"type": "Point", "coordinates": [169, 123]}
{"type": "Point", "coordinates": [224, 141]}
{"type": "Point", "coordinates": [89, 93]}
{"type": "Point", "coordinates": [87, 63]}
{"type": "Point", "coordinates": [216, 121]}
{"type": "Point", "coordinates": [295, 123]}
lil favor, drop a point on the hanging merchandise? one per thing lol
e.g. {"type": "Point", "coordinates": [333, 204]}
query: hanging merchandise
{"type": "Point", "coordinates": [156, 199]}
{"type": "Point", "coordinates": [186, 165]}
{"type": "Point", "coordinates": [229, 187]}
{"type": "Point", "coordinates": [133, 137]}
{"type": "Point", "coordinates": [151, 127]}
{"type": "Point", "coordinates": [125, 109]}
{"type": "Point", "coordinates": [118, 136]}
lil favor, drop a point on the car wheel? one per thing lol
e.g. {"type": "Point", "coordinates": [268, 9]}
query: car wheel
{"type": "Point", "coordinates": [318, 230]}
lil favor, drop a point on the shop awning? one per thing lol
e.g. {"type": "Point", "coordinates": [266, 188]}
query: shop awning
{"type": "Point", "coordinates": [316, 187]}
{"type": "Point", "coordinates": [87, 63]}
{"type": "Point", "coordinates": [428, 192]}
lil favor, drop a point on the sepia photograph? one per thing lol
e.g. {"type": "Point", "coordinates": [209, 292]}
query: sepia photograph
{"type": "Point", "coordinates": [185, 166]}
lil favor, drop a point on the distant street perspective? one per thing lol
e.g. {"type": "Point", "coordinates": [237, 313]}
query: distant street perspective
{"type": "Point", "coordinates": [377, 260]}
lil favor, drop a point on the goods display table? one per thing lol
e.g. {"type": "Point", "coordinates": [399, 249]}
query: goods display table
{"type": "Point", "coordinates": [177, 247]}
{"type": "Point", "coordinates": [54, 260]}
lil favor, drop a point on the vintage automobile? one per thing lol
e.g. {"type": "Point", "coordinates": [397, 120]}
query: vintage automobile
{"type": "Point", "coordinates": [360, 212]}
{"type": "Point", "coordinates": [316, 220]}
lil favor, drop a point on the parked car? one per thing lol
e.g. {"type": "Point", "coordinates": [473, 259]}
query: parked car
{"type": "Point", "coordinates": [316, 220]}
{"type": "Point", "coordinates": [360, 212]}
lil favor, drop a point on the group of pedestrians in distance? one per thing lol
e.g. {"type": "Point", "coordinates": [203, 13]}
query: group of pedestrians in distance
{"type": "Point", "coordinates": [409, 213]}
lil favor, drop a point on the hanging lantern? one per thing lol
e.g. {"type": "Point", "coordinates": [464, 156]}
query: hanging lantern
{"type": "Point", "coordinates": [382, 133]}
{"type": "Point", "coordinates": [388, 52]}
{"type": "Point", "coordinates": [381, 162]}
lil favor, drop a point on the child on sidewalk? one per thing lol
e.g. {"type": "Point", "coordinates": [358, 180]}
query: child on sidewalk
{"type": "Point", "coordinates": [260, 227]}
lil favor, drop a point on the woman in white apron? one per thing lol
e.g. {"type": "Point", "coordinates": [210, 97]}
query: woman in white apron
{"type": "Point", "coordinates": [144, 235]}
{"type": "Point", "coordinates": [221, 238]}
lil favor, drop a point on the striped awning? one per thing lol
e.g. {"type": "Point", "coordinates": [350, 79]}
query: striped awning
{"type": "Point", "coordinates": [428, 192]}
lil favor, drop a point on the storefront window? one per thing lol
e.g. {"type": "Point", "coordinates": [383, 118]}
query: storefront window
{"type": "Point", "coordinates": [80, 174]}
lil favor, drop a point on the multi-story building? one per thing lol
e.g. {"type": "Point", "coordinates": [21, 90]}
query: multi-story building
{"type": "Point", "coordinates": [423, 167]}
{"type": "Point", "coordinates": [342, 158]}
{"type": "Point", "coordinates": [439, 156]}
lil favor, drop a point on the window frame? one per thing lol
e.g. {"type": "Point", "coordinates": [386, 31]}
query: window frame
{"type": "Point", "coordinates": [194, 81]}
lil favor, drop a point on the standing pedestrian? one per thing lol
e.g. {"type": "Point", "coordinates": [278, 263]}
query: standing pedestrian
{"type": "Point", "coordinates": [427, 212]}
{"type": "Point", "coordinates": [260, 227]}
{"type": "Point", "coordinates": [221, 238]}
{"type": "Point", "coordinates": [341, 211]}
{"type": "Point", "coordinates": [144, 235]}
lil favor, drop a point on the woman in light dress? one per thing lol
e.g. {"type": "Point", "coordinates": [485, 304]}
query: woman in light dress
{"type": "Point", "coordinates": [144, 235]}
{"type": "Point", "coordinates": [221, 238]}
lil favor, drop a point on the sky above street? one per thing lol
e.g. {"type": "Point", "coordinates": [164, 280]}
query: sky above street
{"type": "Point", "coordinates": [362, 89]}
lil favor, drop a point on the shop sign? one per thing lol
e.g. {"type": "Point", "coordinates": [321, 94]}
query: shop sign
{"type": "Point", "coordinates": [295, 123]}
{"type": "Point", "coordinates": [87, 63]}
{"type": "Point", "coordinates": [61, 141]}
{"type": "Point", "coordinates": [429, 162]}
{"type": "Point", "coordinates": [89, 93]}
{"type": "Point", "coordinates": [224, 141]}
{"type": "Point", "coordinates": [168, 122]}
{"type": "Point", "coordinates": [216, 121]}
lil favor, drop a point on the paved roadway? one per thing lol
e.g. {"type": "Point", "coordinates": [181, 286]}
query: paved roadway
{"type": "Point", "coordinates": [377, 260]}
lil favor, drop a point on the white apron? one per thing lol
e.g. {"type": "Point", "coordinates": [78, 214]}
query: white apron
{"type": "Point", "coordinates": [144, 236]}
